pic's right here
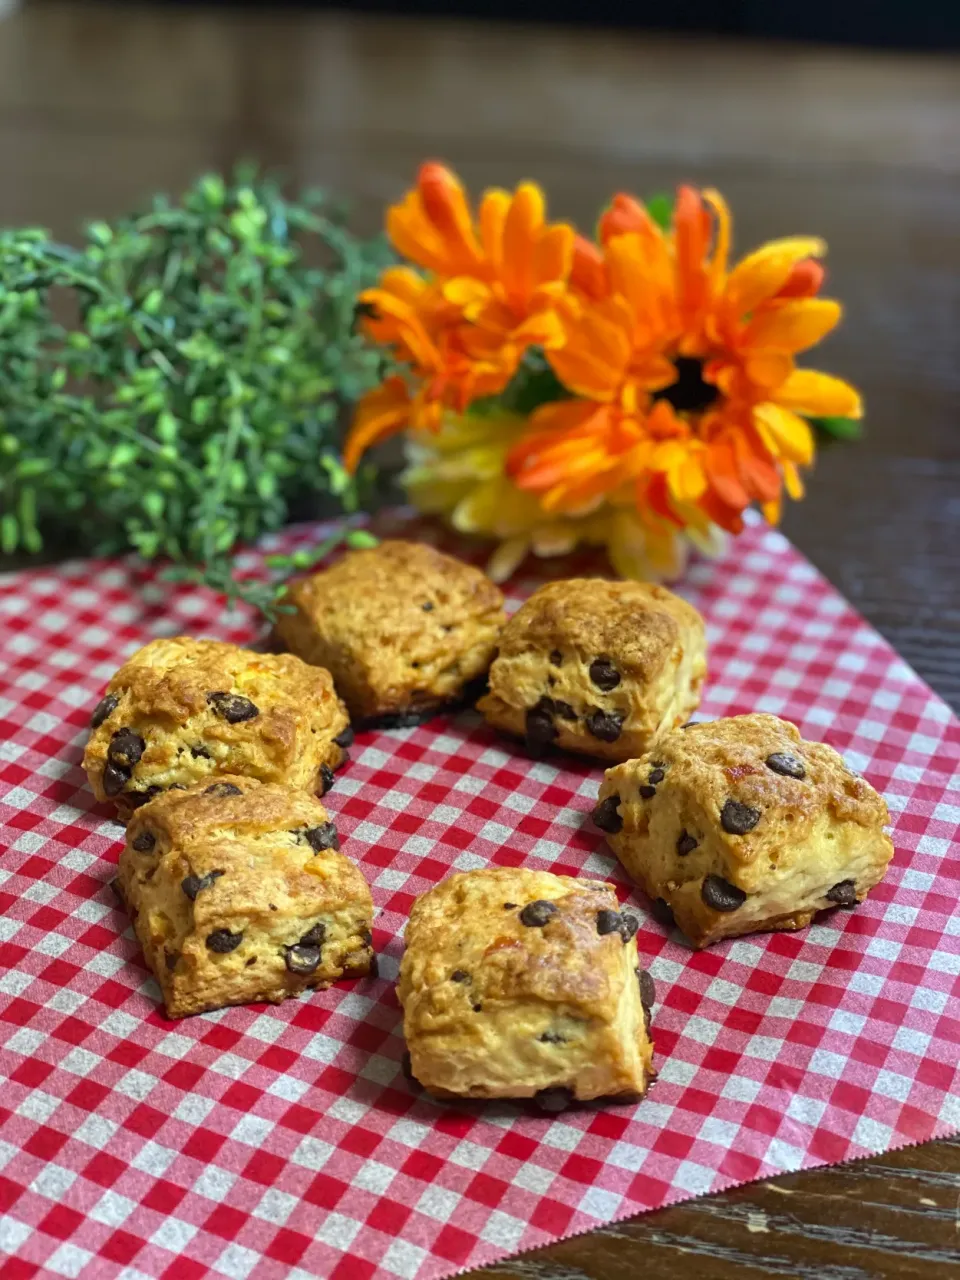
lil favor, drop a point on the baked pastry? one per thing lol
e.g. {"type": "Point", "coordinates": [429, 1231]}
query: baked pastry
{"type": "Point", "coordinates": [182, 710]}
{"type": "Point", "coordinates": [740, 826]}
{"type": "Point", "coordinates": [403, 628]}
{"type": "Point", "coordinates": [238, 894]}
{"type": "Point", "coordinates": [523, 984]}
{"type": "Point", "coordinates": [597, 667]}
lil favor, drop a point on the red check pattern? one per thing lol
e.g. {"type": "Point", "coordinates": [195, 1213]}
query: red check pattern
{"type": "Point", "coordinates": [284, 1142]}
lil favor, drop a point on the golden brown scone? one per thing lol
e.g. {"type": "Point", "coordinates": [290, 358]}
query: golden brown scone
{"type": "Point", "coordinates": [238, 894]}
{"type": "Point", "coordinates": [740, 826]}
{"type": "Point", "coordinates": [182, 710]}
{"type": "Point", "coordinates": [523, 984]}
{"type": "Point", "coordinates": [402, 627]}
{"type": "Point", "coordinates": [597, 667]}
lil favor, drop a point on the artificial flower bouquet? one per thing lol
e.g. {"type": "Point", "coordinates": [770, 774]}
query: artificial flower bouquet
{"type": "Point", "coordinates": [637, 392]}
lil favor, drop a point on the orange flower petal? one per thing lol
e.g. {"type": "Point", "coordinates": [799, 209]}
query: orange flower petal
{"type": "Point", "coordinates": [723, 475]}
{"type": "Point", "coordinates": [445, 204]}
{"type": "Point", "coordinates": [804, 280]}
{"type": "Point", "coordinates": [553, 254]}
{"type": "Point", "coordinates": [625, 214]}
{"type": "Point", "coordinates": [691, 223]}
{"type": "Point", "coordinates": [789, 435]}
{"type": "Point", "coordinates": [493, 214]}
{"type": "Point", "coordinates": [588, 275]}
{"type": "Point", "coordinates": [757, 277]}
{"type": "Point", "coordinates": [520, 232]}
{"type": "Point", "coordinates": [819, 395]}
{"type": "Point", "coordinates": [380, 413]}
{"type": "Point", "coordinates": [792, 326]}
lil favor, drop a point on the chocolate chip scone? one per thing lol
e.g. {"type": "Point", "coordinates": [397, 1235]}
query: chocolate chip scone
{"type": "Point", "coordinates": [523, 984]}
{"type": "Point", "coordinates": [597, 667]}
{"type": "Point", "coordinates": [238, 894]}
{"type": "Point", "coordinates": [182, 710]}
{"type": "Point", "coordinates": [403, 628]}
{"type": "Point", "coordinates": [740, 826]}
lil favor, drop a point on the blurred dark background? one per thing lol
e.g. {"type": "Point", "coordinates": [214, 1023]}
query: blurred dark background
{"type": "Point", "coordinates": [894, 24]}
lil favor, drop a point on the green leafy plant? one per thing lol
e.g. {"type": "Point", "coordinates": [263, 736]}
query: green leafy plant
{"type": "Point", "coordinates": [176, 385]}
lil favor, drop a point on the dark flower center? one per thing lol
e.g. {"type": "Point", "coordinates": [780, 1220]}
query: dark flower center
{"type": "Point", "coordinates": [690, 393]}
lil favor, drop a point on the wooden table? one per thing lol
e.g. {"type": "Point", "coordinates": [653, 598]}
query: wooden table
{"type": "Point", "coordinates": [101, 105]}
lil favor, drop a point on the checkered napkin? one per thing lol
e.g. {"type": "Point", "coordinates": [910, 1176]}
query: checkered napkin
{"type": "Point", "coordinates": [272, 1142]}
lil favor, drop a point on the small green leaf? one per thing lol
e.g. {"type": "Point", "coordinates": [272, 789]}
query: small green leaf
{"type": "Point", "coordinates": [361, 538]}
{"type": "Point", "coordinates": [660, 209]}
{"type": "Point", "coordinates": [840, 428]}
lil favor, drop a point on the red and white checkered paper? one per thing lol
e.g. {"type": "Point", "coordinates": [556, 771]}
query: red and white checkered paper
{"type": "Point", "coordinates": [284, 1141]}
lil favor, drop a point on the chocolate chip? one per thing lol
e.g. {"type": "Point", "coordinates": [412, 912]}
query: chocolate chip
{"type": "Point", "coordinates": [646, 792]}
{"type": "Point", "coordinates": [459, 975]}
{"type": "Point", "coordinates": [536, 914]}
{"type": "Point", "coordinates": [114, 779]}
{"type": "Point", "coordinates": [656, 774]}
{"type": "Point", "coordinates": [629, 926]}
{"type": "Point", "coordinates": [222, 941]}
{"type": "Point", "coordinates": [509, 906]}
{"type": "Point", "coordinates": [648, 989]}
{"type": "Point", "coordinates": [320, 838]}
{"type": "Point", "coordinates": [552, 1037]}
{"type": "Point", "coordinates": [316, 936]}
{"type": "Point", "coordinates": [686, 844]}
{"type": "Point", "coordinates": [170, 959]}
{"type": "Point", "coordinates": [737, 818]}
{"type": "Point", "coordinates": [539, 729]}
{"type": "Point", "coordinates": [374, 970]}
{"type": "Point", "coordinates": [232, 707]}
{"type": "Point", "coordinates": [843, 893]}
{"type": "Point", "coordinates": [427, 606]}
{"type": "Point", "coordinates": [721, 895]}
{"type": "Point", "coordinates": [345, 737]}
{"type": "Point", "coordinates": [145, 842]}
{"type": "Point", "coordinates": [477, 1008]}
{"type": "Point", "coordinates": [556, 658]}
{"type": "Point", "coordinates": [302, 960]}
{"type": "Point", "coordinates": [125, 749]}
{"type": "Point", "coordinates": [193, 885]}
{"type": "Point", "coordinates": [606, 815]}
{"type": "Point", "coordinates": [604, 674]}
{"type": "Point", "coordinates": [556, 1098]}
{"type": "Point", "coordinates": [662, 912]}
{"type": "Point", "coordinates": [326, 779]}
{"type": "Point", "coordinates": [223, 789]}
{"type": "Point", "coordinates": [135, 799]}
{"type": "Point", "coordinates": [105, 707]}
{"type": "Point", "coordinates": [786, 765]}
{"type": "Point", "coordinates": [608, 922]}
{"type": "Point", "coordinates": [200, 752]}
{"type": "Point", "coordinates": [605, 725]}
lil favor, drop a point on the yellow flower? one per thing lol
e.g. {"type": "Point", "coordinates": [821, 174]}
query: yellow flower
{"type": "Point", "coordinates": [458, 473]}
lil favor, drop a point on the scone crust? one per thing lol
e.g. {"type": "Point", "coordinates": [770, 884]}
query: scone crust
{"type": "Point", "coordinates": [231, 857]}
{"type": "Point", "coordinates": [810, 834]}
{"type": "Point", "coordinates": [549, 654]}
{"type": "Point", "coordinates": [497, 1008]}
{"type": "Point", "coordinates": [403, 627]}
{"type": "Point", "coordinates": [162, 695]}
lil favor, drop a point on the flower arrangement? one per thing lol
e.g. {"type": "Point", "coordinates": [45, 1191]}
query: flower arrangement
{"type": "Point", "coordinates": [638, 392]}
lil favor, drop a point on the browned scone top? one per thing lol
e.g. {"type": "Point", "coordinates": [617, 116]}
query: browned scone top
{"type": "Point", "coordinates": [182, 710]}
{"type": "Point", "coordinates": [739, 825]}
{"type": "Point", "coordinates": [523, 984]}
{"type": "Point", "coordinates": [597, 667]}
{"type": "Point", "coordinates": [402, 627]}
{"type": "Point", "coordinates": [239, 894]}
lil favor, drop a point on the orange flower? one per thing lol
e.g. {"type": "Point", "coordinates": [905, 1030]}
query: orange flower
{"type": "Point", "coordinates": [490, 294]}
{"type": "Point", "coordinates": [684, 371]}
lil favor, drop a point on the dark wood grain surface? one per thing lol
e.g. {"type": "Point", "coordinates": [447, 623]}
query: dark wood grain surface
{"type": "Point", "coordinates": [100, 105]}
